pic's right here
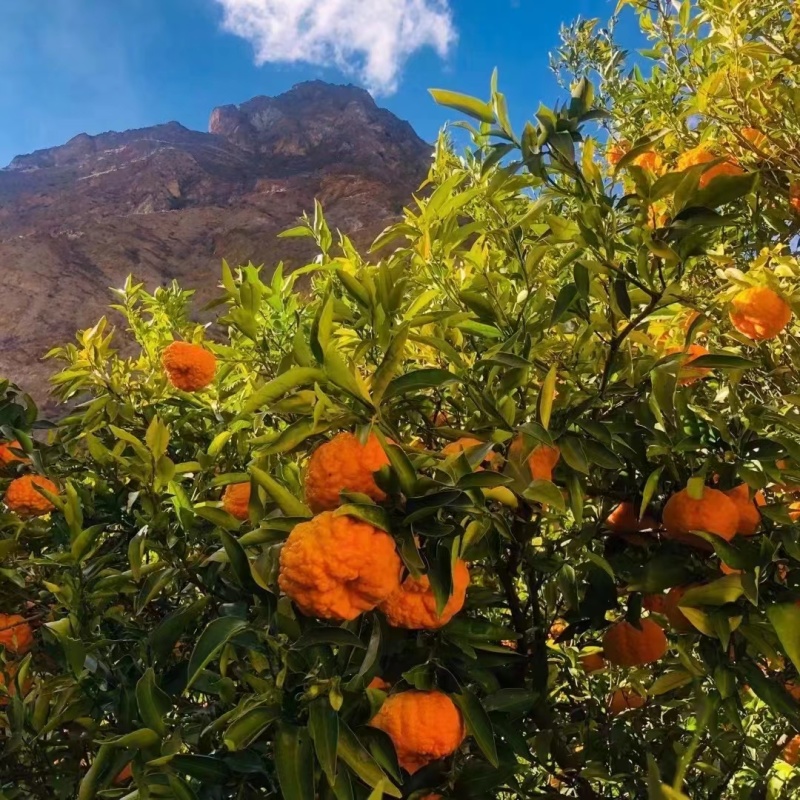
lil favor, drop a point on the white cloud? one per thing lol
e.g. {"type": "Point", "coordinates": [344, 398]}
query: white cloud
{"type": "Point", "coordinates": [371, 39]}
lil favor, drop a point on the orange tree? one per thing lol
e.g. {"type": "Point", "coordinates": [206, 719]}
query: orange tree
{"type": "Point", "coordinates": [508, 512]}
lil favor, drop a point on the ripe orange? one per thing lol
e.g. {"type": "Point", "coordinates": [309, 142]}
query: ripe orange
{"type": "Point", "coordinates": [343, 464]}
{"type": "Point", "coordinates": [413, 604]}
{"type": "Point", "coordinates": [655, 603]}
{"type": "Point", "coordinates": [593, 662]}
{"type": "Point", "coordinates": [726, 570]}
{"type": "Point", "coordinates": [16, 636]}
{"type": "Point", "coordinates": [236, 499]}
{"type": "Point", "coordinates": [615, 151]}
{"type": "Point", "coordinates": [677, 619]}
{"type": "Point", "coordinates": [699, 155]}
{"type": "Point", "coordinates": [794, 197]}
{"type": "Point", "coordinates": [650, 161]}
{"type": "Point", "coordinates": [124, 775]}
{"type": "Point", "coordinates": [749, 515]}
{"type": "Point", "coordinates": [493, 460]}
{"type": "Point", "coordinates": [791, 752]}
{"type": "Point", "coordinates": [624, 699]}
{"type": "Point", "coordinates": [628, 646]}
{"type": "Point", "coordinates": [794, 512]}
{"type": "Point", "coordinates": [23, 499]}
{"type": "Point", "coordinates": [338, 567]}
{"type": "Point", "coordinates": [424, 727]}
{"type": "Point", "coordinates": [7, 457]}
{"type": "Point", "coordinates": [688, 374]}
{"type": "Point", "coordinates": [759, 313]}
{"type": "Point", "coordinates": [379, 683]}
{"type": "Point", "coordinates": [755, 137]}
{"type": "Point", "coordinates": [624, 519]}
{"type": "Point", "coordinates": [542, 461]}
{"type": "Point", "coordinates": [189, 367]}
{"type": "Point", "coordinates": [714, 513]}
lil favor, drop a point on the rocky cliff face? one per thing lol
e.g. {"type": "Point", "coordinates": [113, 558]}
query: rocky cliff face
{"type": "Point", "coordinates": [167, 202]}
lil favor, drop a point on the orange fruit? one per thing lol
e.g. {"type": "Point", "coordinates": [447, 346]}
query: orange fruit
{"type": "Point", "coordinates": [794, 197]}
{"type": "Point", "coordinates": [650, 161]}
{"type": "Point", "coordinates": [624, 699]}
{"type": "Point", "coordinates": [23, 499]}
{"type": "Point", "coordinates": [423, 726]}
{"type": "Point", "coordinates": [338, 567]}
{"type": "Point", "coordinates": [124, 775]}
{"type": "Point", "coordinates": [8, 457]}
{"type": "Point", "coordinates": [628, 646]}
{"type": "Point", "coordinates": [465, 443]}
{"type": "Point", "coordinates": [593, 662]}
{"type": "Point", "coordinates": [677, 619]}
{"type": "Point", "coordinates": [16, 635]}
{"type": "Point", "coordinates": [413, 604]}
{"type": "Point", "coordinates": [791, 752]}
{"type": "Point", "coordinates": [624, 519]}
{"type": "Point", "coordinates": [542, 461]}
{"type": "Point", "coordinates": [714, 513]}
{"type": "Point", "coordinates": [755, 137]}
{"type": "Point", "coordinates": [688, 374]}
{"type": "Point", "coordinates": [655, 603]}
{"type": "Point", "coordinates": [749, 515]}
{"type": "Point", "coordinates": [189, 367]}
{"type": "Point", "coordinates": [236, 499]}
{"type": "Point", "coordinates": [726, 570]}
{"type": "Point", "coordinates": [343, 464]}
{"type": "Point", "coordinates": [379, 683]}
{"type": "Point", "coordinates": [699, 155]}
{"type": "Point", "coordinates": [794, 512]}
{"type": "Point", "coordinates": [615, 151]}
{"type": "Point", "coordinates": [759, 313]}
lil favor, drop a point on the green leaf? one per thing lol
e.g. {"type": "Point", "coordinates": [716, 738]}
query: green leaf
{"type": "Point", "coordinates": [153, 703]}
{"type": "Point", "coordinates": [323, 725]}
{"type": "Point", "coordinates": [478, 724]}
{"type": "Point", "coordinates": [340, 637]}
{"type": "Point", "coordinates": [785, 618]}
{"type": "Point", "coordinates": [390, 365]}
{"type": "Point", "coordinates": [240, 564]}
{"type": "Point", "coordinates": [572, 453]}
{"type": "Point", "coordinates": [294, 762]}
{"type": "Point", "coordinates": [135, 740]}
{"type": "Point", "coordinates": [279, 387]}
{"type": "Point", "coordinates": [546, 493]}
{"type": "Point", "coordinates": [725, 189]}
{"type": "Point", "coordinates": [547, 395]}
{"type": "Point", "coordinates": [727, 589]}
{"type": "Point", "coordinates": [723, 361]}
{"type": "Point", "coordinates": [563, 302]}
{"type": "Point", "coordinates": [670, 681]}
{"type": "Point", "coordinates": [375, 515]}
{"type": "Point", "coordinates": [357, 757]}
{"type": "Point", "coordinates": [284, 499]}
{"type": "Point", "coordinates": [216, 635]}
{"type": "Point", "coordinates": [247, 727]}
{"type": "Point", "coordinates": [470, 106]}
{"type": "Point", "coordinates": [650, 487]}
{"type": "Point", "coordinates": [157, 438]}
{"type": "Point", "coordinates": [164, 637]}
{"type": "Point", "coordinates": [419, 380]}
{"type": "Point", "coordinates": [342, 376]}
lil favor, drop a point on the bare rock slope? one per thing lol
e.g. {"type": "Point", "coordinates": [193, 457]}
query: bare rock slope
{"type": "Point", "coordinates": [167, 202]}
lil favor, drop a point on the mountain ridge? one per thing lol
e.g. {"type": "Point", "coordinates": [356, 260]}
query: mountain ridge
{"type": "Point", "coordinates": [166, 202]}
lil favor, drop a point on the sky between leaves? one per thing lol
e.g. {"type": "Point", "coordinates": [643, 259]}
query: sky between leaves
{"type": "Point", "coordinates": [69, 66]}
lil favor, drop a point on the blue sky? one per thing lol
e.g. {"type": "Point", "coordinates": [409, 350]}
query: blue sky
{"type": "Point", "coordinates": [68, 66]}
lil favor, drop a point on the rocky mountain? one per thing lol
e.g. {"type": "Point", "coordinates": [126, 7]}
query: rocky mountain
{"type": "Point", "coordinates": [166, 202]}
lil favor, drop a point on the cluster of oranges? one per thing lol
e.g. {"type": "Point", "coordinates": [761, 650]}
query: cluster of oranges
{"type": "Point", "coordinates": [337, 567]}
